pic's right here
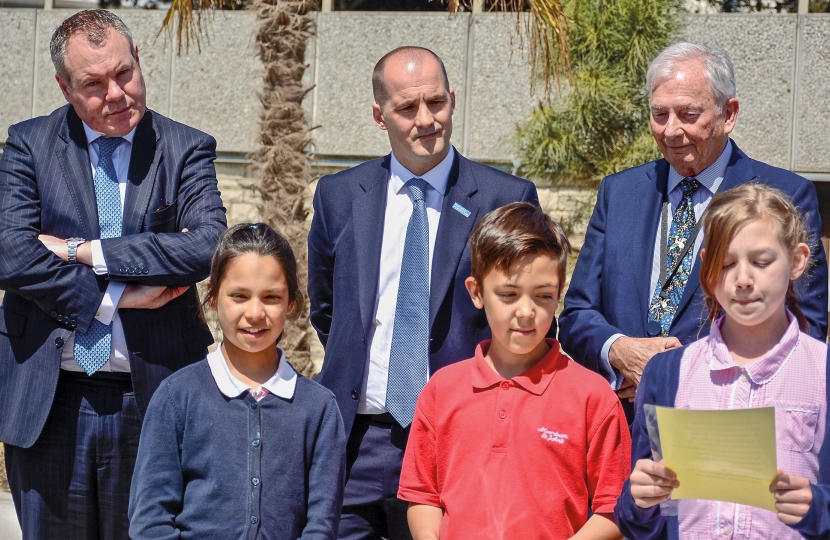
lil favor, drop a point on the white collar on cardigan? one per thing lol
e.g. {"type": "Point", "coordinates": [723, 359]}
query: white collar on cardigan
{"type": "Point", "coordinates": [282, 383]}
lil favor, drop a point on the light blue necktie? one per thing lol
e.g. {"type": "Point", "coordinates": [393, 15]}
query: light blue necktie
{"type": "Point", "coordinates": [409, 352]}
{"type": "Point", "coordinates": [664, 307]}
{"type": "Point", "coordinates": [92, 350]}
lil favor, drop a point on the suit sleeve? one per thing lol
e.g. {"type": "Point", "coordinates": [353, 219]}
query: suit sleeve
{"type": "Point", "coordinates": [177, 259]}
{"type": "Point", "coordinates": [157, 490]}
{"type": "Point", "coordinates": [583, 329]}
{"type": "Point", "coordinates": [27, 267]}
{"type": "Point", "coordinates": [320, 268]}
{"type": "Point", "coordinates": [326, 477]}
{"type": "Point", "coordinates": [812, 287]}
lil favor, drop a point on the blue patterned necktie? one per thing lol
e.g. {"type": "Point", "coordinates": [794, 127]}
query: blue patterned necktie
{"type": "Point", "coordinates": [663, 307]}
{"type": "Point", "coordinates": [409, 352]}
{"type": "Point", "coordinates": [92, 350]}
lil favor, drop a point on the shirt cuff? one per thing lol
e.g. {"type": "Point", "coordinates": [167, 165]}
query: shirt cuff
{"type": "Point", "coordinates": [612, 375]}
{"type": "Point", "coordinates": [99, 265]}
{"type": "Point", "coordinates": [109, 304]}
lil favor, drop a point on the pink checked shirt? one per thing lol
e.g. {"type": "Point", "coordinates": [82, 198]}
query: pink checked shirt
{"type": "Point", "coordinates": [791, 378]}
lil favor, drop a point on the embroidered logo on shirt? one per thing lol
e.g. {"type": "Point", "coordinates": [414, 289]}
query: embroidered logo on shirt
{"type": "Point", "coordinates": [552, 436]}
{"type": "Point", "coordinates": [461, 210]}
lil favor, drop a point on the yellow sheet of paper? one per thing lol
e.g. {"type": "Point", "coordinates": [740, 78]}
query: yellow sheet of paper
{"type": "Point", "coordinates": [722, 455]}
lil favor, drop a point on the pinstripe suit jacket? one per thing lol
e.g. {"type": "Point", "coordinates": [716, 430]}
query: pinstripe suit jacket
{"type": "Point", "coordinates": [46, 188]}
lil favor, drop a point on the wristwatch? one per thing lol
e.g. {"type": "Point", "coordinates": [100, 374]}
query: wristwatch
{"type": "Point", "coordinates": [72, 248]}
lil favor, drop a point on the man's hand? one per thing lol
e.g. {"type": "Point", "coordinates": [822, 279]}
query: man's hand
{"type": "Point", "coordinates": [148, 297]}
{"type": "Point", "coordinates": [793, 495]}
{"type": "Point", "coordinates": [59, 248]}
{"type": "Point", "coordinates": [652, 483]}
{"type": "Point", "coordinates": [630, 355]}
{"type": "Point", "coordinates": [627, 390]}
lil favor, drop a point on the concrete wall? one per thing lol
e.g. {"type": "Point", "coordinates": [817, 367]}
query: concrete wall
{"type": "Point", "coordinates": [782, 64]}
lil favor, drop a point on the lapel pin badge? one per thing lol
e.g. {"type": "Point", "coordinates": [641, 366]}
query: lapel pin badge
{"type": "Point", "coordinates": [461, 210]}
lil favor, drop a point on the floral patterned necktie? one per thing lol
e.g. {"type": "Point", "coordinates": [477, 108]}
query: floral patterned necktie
{"type": "Point", "coordinates": [663, 307]}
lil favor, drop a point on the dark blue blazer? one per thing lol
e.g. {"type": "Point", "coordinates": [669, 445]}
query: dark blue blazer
{"type": "Point", "coordinates": [660, 381]}
{"type": "Point", "coordinates": [46, 185]}
{"type": "Point", "coordinates": [344, 263]}
{"type": "Point", "coordinates": [610, 291]}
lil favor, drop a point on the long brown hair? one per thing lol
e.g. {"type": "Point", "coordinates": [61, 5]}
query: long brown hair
{"type": "Point", "coordinates": [731, 209]}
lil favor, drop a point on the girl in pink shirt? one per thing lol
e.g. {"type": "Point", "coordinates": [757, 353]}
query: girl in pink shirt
{"type": "Point", "coordinates": [757, 355]}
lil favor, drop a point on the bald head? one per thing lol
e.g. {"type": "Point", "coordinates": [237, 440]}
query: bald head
{"type": "Point", "coordinates": [412, 58]}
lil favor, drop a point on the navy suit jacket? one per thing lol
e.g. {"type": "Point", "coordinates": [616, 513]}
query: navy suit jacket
{"type": "Point", "coordinates": [46, 185]}
{"type": "Point", "coordinates": [610, 288]}
{"type": "Point", "coordinates": [344, 263]}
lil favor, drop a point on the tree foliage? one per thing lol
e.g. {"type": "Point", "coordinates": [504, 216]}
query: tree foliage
{"type": "Point", "coordinates": [598, 123]}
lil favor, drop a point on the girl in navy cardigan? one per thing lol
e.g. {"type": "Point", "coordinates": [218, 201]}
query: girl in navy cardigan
{"type": "Point", "coordinates": [755, 247]}
{"type": "Point", "coordinates": [240, 445]}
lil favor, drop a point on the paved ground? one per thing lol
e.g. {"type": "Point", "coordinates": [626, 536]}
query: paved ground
{"type": "Point", "coordinates": [9, 529]}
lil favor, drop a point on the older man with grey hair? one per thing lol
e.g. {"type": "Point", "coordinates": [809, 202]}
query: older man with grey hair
{"type": "Point", "coordinates": [635, 291]}
{"type": "Point", "coordinates": [109, 216]}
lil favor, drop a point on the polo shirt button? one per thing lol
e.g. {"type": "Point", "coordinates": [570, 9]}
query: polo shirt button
{"type": "Point", "coordinates": [505, 385]}
{"type": "Point", "coordinates": [255, 443]}
{"type": "Point", "coordinates": [255, 481]}
{"type": "Point", "coordinates": [502, 415]}
{"type": "Point", "coordinates": [354, 394]}
{"type": "Point", "coordinates": [727, 529]}
{"type": "Point", "coordinates": [254, 520]}
{"type": "Point", "coordinates": [253, 405]}
{"type": "Point", "coordinates": [58, 342]}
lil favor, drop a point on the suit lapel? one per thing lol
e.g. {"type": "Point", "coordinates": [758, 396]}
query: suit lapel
{"type": "Point", "coordinates": [738, 172]}
{"type": "Point", "coordinates": [453, 231]}
{"type": "Point", "coordinates": [73, 156]}
{"type": "Point", "coordinates": [649, 196]}
{"type": "Point", "coordinates": [368, 212]}
{"type": "Point", "coordinates": [141, 176]}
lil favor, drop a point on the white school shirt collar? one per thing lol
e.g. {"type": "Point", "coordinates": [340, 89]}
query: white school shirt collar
{"type": "Point", "coordinates": [710, 177]}
{"type": "Point", "coordinates": [282, 383]}
{"type": "Point", "coordinates": [438, 177]}
{"type": "Point", "coordinates": [92, 135]}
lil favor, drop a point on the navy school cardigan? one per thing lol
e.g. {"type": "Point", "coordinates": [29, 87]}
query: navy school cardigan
{"type": "Point", "coordinates": [658, 386]}
{"type": "Point", "coordinates": [210, 466]}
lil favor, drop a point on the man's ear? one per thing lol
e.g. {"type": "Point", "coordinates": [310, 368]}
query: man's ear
{"type": "Point", "coordinates": [475, 292]}
{"type": "Point", "coordinates": [377, 115]}
{"type": "Point", "coordinates": [64, 86]}
{"type": "Point", "coordinates": [730, 113]}
{"type": "Point", "coordinates": [135, 55]}
{"type": "Point", "coordinates": [452, 98]}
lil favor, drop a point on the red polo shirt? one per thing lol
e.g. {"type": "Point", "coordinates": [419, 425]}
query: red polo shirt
{"type": "Point", "coordinates": [521, 458]}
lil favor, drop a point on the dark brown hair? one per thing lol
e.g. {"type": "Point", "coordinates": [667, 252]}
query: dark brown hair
{"type": "Point", "coordinates": [507, 233]}
{"type": "Point", "coordinates": [732, 209]}
{"type": "Point", "coordinates": [264, 241]}
{"type": "Point", "coordinates": [95, 24]}
{"type": "Point", "coordinates": [409, 52]}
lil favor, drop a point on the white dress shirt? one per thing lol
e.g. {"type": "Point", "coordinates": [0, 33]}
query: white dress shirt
{"type": "Point", "coordinates": [282, 383]}
{"type": "Point", "coordinates": [710, 179]}
{"type": "Point", "coordinates": [107, 312]}
{"type": "Point", "coordinates": [398, 212]}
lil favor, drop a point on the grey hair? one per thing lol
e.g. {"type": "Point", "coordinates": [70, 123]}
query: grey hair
{"type": "Point", "coordinates": [95, 24]}
{"type": "Point", "coordinates": [717, 68]}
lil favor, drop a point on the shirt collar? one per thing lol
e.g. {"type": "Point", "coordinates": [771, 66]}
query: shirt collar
{"type": "Point", "coordinates": [438, 177]}
{"type": "Point", "coordinates": [92, 135]}
{"type": "Point", "coordinates": [282, 383]}
{"type": "Point", "coordinates": [764, 369]}
{"type": "Point", "coordinates": [535, 380]}
{"type": "Point", "coordinates": [711, 176]}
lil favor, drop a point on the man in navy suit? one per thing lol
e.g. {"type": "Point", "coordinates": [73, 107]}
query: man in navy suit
{"type": "Point", "coordinates": [616, 314]}
{"type": "Point", "coordinates": [109, 215]}
{"type": "Point", "coordinates": [388, 257]}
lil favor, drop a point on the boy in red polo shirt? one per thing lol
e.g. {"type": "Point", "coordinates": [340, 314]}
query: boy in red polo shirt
{"type": "Point", "coordinates": [518, 441]}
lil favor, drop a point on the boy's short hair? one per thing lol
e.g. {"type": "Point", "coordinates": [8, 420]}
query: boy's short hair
{"type": "Point", "coordinates": [504, 235]}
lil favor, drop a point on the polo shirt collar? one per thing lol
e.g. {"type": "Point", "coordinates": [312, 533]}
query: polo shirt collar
{"type": "Point", "coordinates": [282, 383]}
{"type": "Point", "coordinates": [762, 370]}
{"type": "Point", "coordinates": [92, 135]}
{"type": "Point", "coordinates": [438, 177]}
{"type": "Point", "coordinates": [535, 380]}
{"type": "Point", "coordinates": [710, 177]}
